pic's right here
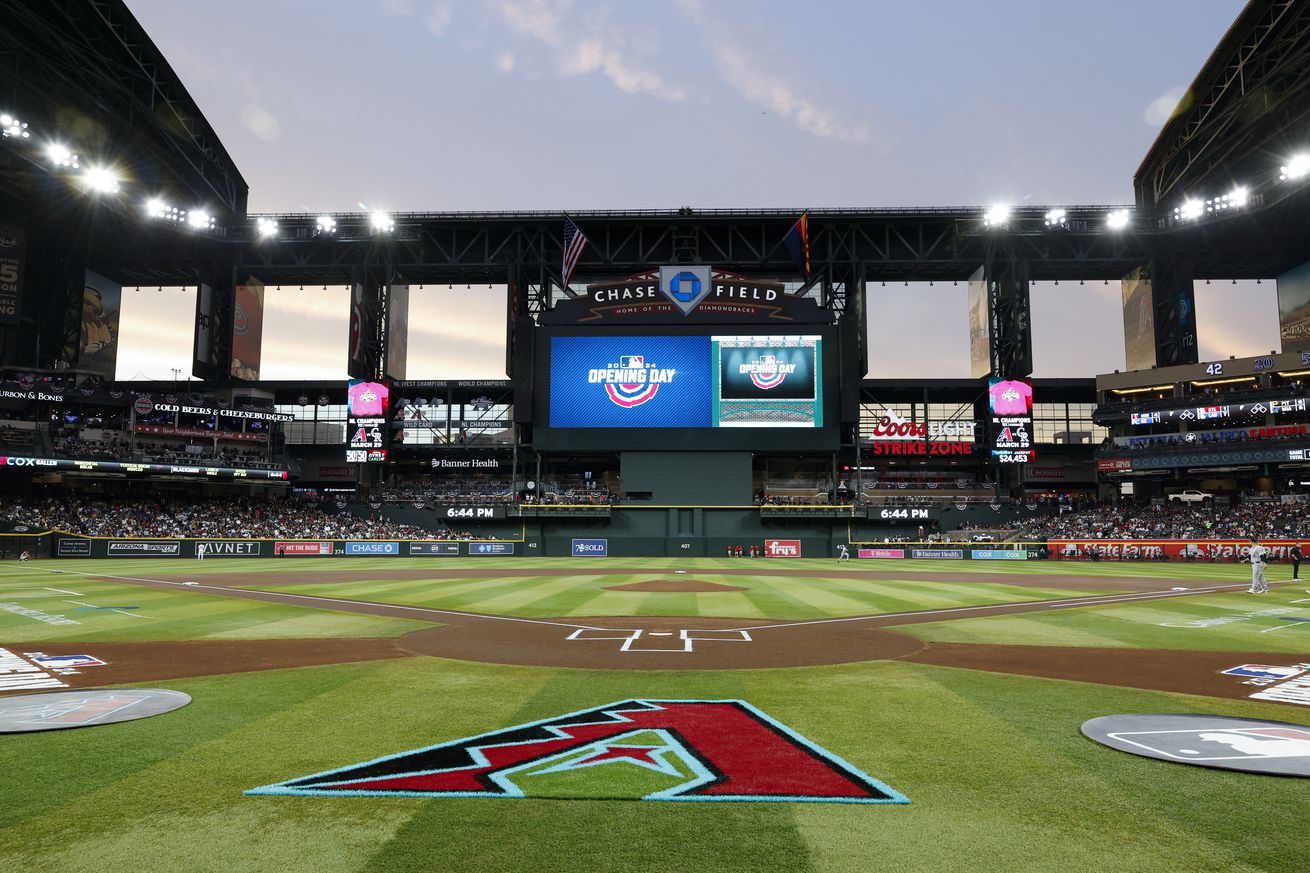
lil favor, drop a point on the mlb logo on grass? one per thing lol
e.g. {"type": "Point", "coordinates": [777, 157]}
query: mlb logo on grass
{"type": "Point", "coordinates": [1264, 671]}
{"type": "Point", "coordinates": [590, 548]}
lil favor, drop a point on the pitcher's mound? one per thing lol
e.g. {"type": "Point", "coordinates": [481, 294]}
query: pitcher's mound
{"type": "Point", "coordinates": [675, 586]}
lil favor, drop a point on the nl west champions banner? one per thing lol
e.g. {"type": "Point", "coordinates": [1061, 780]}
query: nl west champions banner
{"type": "Point", "coordinates": [685, 381]}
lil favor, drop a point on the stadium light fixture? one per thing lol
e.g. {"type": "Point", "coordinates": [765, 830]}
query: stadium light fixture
{"type": "Point", "coordinates": [157, 208]}
{"type": "Point", "coordinates": [1235, 199]}
{"type": "Point", "coordinates": [199, 219]}
{"type": "Point", "coordinates": [1055, 218]}
{"type": "Point", "coordinates": [102, 180]}
{"type": "Point", "coordinates": [12, 128]}
{"type": "Point", "coordinates": [1297, 167]}
{"type": "Point", "coordinates": [381, 222]}
{"type": "Point", "coordinates": [996, 216]}
{"type": "Point", "coordinates": [1118, 220]}
{"type": "Point", "coordinates": [325, 224]}
{"type": "Point", "coordinates": [266, 228]}
{"type": "Point", "coordinates": [61, 156]}
{"type": "Point", "coordinates": [1190, 210]}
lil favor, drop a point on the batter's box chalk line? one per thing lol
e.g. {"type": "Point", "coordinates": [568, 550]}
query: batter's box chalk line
{"type": "Point", "coordinates": [659, 641]}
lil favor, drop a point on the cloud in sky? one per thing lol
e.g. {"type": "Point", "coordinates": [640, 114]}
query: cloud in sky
{"type": "Point", "coordinates": [1161, 109]}
{"type": "Point", "coordinates": [751, 77]}
{"type": "Point", "coordinates": [583, 45]}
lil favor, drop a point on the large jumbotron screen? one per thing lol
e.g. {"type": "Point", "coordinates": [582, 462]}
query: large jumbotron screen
{"type": "Point", "coordinates": [751, 383]}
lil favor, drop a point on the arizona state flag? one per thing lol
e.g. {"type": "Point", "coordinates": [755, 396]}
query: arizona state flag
{"type": "Point", "coordinates": [797, 242]}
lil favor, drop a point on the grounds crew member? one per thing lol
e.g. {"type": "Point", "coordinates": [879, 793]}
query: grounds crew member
{"type": "Point", "coordinates": [1257, 558]}
{"type": "Point", "coordinates": [1296, 556]}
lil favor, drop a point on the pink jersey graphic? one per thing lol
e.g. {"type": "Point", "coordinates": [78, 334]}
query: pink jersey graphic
{"type": "Point", "coordinates": [368, 399]}
{"type": "Point", "coordinates": [1011, 397]}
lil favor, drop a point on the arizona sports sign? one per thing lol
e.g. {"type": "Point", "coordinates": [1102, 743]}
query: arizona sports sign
{"type": "Point", "coordinates": [676, 750]}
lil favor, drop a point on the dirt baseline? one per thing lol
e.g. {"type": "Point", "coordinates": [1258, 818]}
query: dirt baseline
{"type": "Point", "coordinates": [675, 586]}
{"type": "Point", "coordinates": [669, 643]}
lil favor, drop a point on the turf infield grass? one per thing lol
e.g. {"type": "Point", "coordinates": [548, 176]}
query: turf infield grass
{"type": "Point", "coordinates": [997, 772]}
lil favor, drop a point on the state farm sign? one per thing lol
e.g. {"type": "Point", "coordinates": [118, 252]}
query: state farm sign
{"type": "Point", "coordinates": [782, 548]}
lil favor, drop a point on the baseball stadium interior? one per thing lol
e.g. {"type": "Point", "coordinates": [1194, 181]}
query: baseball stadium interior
{"type": "Point", "coordinates": [678, 384]}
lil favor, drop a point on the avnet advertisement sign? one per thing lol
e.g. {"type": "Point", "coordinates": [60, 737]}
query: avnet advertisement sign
{"type": "Point", "coordinates": [372, 548]}
{"type": "Point", "coordinates": [229, 548]}
{"type": "Point", "coordinates": [590, 548]}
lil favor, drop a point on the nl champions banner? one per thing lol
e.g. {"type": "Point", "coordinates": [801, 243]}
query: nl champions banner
{"type": "Point", "coordinates": [685, 381]}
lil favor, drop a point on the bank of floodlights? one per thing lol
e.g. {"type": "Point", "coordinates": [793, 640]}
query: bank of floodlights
{"type": "Point", "coordinates": [381, 222]}
{"type": "Point", "coordinates": [325, 224]}
{"type": "Point", "coordinates": [199, 219]}
{"type": "Point", "coordinates": [61, 156]}
{"type": "Point", "coordinates": [1118, 220]}
{"type": "Point", "coordinates": [1297, 168]}
{"type": "Point", "coordinates": [266, 228]}
{"type": "Point", "coordinates": [996, 216]}
{"type": "Point", "coordinates": [1055, 218]}
{"type": "Point", "coordinates": [101, 180]}
{"type": "Point", "coordinates": [1191, 210]}
{"type": "Point", "coordinates": [12, 128]}
{"type": "Point", "coordinates": [157, 208]}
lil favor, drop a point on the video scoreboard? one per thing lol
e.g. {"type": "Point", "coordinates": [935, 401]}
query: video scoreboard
{"type": "Point", "coordinates": [1011, 405]}
{"type": "Point", "coordinates": [367, 405]}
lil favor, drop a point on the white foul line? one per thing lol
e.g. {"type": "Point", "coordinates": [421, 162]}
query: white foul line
{"type": "Point", "coordinates": [316, 599]}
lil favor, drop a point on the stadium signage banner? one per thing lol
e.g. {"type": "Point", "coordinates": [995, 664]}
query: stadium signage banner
{"type": "Point", "coordinates": [882, 446]}
{"type": "Point", "coordinates": [372, 548]}
{"type": "Point", "coordinates": [230, 548]}
{"type": "Point", "coordinates": [255, 414]}
{"type": "Point", "coordinates": [469, 513]}
{"type": "Point", "coordinates": [236, 435]}
{"type": "Point", "coordinates": [881, 553]}
{"type": "Point", "coordinates": [300, 547]}
{"type": "Point", "coordinates": [67, 548]}
{"type": "Point", "coordinates": [894, 428]}
{"type": "Point", "coordinates": [1204, 550]}
{"type": "Point", "coordinates": [119, 548]}
{"type": "Point", "coordinates": [1112, 465]}
{"type": "Point", "coordinates": [938, 554]}
{"type": "Point", "coordinates": [13, 252]}
{"type": "Point", "coordinates": [129, 467]}
{"type": "Point", "coordinates": [782, 548]}
{"type": "Point", "coordinates": [448, 550]}
{"type": "Point", "coordinates": [1011, 404]}
{"type": "Point", "coordinates": [592, 548]}
{"type": "Point", "coordinates": [482, 549]}
{"type": "Point", "coordinates": [999, 554]}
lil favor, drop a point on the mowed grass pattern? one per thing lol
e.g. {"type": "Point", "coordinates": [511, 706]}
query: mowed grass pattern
{"type": "Point", "coordinates": [161, 614]}
{"type": "Point", "coordinates": [998, 774]}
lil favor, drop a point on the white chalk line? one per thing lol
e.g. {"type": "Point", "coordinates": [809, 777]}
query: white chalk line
{"type": "Point", "coordinates": [316, 599]}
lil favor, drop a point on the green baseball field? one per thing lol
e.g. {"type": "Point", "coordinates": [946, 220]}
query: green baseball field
{"type": "Point", "coordinates": [389, 714]}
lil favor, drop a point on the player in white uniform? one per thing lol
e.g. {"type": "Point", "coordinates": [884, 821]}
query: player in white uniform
{"type": "Point", "coordinates": [843, 554]}
{"type": "Point", "coordinates": [1257, 558]}
{"type": "Point", "coordinates": [200, 551]}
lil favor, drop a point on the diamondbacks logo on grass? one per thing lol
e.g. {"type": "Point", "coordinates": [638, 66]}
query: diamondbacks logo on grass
{"type": "Point", "coordinates": [627, 750]}
{"type": "Point", "coordinates": [631, 381]}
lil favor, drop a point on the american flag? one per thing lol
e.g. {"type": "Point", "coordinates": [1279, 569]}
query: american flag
{"type": "Point", "coordinates": [574, 243]}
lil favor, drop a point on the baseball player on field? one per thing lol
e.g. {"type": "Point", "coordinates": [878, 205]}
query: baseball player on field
{"type": "Point", "coordinates": [1257, 558]}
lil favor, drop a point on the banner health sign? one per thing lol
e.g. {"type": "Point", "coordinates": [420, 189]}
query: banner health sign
{"type": "Point", "coordinates": [590, 548]}
{"type": "Point", "coordinates": [476, 548]}
{"type": "Point", "coordinates": [950, 554]}
{"type": "Point", "coordinates": [372, 548]}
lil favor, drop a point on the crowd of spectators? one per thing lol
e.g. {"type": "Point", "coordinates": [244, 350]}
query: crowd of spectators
{"type": "Point", "coordinates": [237, 518]}
{"type": "Point", "coordinates": [1263, 520]}
{"type": "Point", "coordinates": [16, 437]}
{"type": "Point", "coordinates": [475, 490]}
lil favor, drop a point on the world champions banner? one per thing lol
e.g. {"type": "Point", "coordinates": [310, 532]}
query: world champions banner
{"type": "Point", "coordinates": [1294, 309]}
{"type": "Point", "coordinates": [102, 303]}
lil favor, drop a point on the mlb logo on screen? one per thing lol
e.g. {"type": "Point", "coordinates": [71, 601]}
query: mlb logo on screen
{"type": "Point", "coordinates": [632, 362]}
{"type": "Point", "coordinates": [782, 548]}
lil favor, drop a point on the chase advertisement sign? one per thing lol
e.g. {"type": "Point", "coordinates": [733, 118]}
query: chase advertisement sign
{"type": "Point", "coordinates": [686, 287]}
{"type": "Point", "coordinates": [594, 548]}
{"type": "Point", "coordinates": [371, 548]}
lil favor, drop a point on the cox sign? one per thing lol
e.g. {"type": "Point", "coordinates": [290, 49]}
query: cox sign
{"type": "Point", "coordinates": [590, 548]}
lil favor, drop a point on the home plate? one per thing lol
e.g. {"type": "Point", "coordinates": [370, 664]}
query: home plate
{"type": "Point", "coordinates": [680, 572]}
